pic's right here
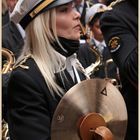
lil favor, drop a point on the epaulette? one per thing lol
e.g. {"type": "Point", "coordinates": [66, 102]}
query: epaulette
{"type": "Point", "coordinates": [114, 3]}
{"type": "Point", "coordinates": [21, 63]}
{"type": "Point", "coordinates": [110, 7]}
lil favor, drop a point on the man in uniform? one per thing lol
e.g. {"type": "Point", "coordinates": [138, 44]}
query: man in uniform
{"type": "Point", "coordinates": [119, 25]}
{"type": "Point", "coordinates": [86, 56]}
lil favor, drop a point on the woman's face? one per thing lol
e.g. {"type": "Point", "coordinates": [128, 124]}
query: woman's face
{"type": "Point", "coordinates": [68, 22]}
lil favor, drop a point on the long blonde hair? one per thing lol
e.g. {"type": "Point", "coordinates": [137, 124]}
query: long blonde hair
{"type": "Point", "coordinates": [40, 34]}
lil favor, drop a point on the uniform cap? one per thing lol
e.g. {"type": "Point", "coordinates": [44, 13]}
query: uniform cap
{"type": "Point", "coordinates": [93, 10]}
{"type": "Point", "coordinates": [26, 10]}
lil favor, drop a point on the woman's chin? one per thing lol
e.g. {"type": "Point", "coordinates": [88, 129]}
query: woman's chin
{"type": "Point", "coordinates": [73, 37]}
{"type": "Point", "coordinates": [77, 37]}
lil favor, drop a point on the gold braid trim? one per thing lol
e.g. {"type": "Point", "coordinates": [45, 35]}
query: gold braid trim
{"type": "Point", "coordinates": [21, 63]}
{"type": "Point", "coordinates": [114, 3]}
{"type": "Point", "coordinates": [110, 7]}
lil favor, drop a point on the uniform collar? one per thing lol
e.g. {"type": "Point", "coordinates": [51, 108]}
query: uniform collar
{"type": "Point", "coordinates": [99, 43]}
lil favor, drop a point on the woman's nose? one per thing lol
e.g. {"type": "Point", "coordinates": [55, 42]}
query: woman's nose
{"type": "Point", "coordinates": [77, 14]}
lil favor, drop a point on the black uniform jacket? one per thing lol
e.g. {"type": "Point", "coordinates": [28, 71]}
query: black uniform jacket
{"type": "Point", "coordinates": [30, 103]}
{"type": "Point", "coordinates": [120, 30]}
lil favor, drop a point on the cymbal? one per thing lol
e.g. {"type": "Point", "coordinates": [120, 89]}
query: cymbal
{"type": "Point", "coordinates": [94, 96]}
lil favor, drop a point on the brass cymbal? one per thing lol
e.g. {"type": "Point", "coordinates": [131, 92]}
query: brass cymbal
{"type": "Point", "coordinates": [90, 96]}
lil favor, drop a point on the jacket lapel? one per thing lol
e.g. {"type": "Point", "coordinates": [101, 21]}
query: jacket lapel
{"type": "Point", "coordinates": [65, 80]}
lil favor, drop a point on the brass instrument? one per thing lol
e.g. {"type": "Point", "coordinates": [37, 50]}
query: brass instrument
{"type": "Point", "coordinates": [99, 59]}
{"type": "Point", "coordinates": [94, 66]}
{"type": "Point", "coordinates": [115, 82]}
{"type": "Point", "coordinates": [5, 135]}
{"type": "Point", "coordinates": [9, 60]}
{"type": "Point", "coordinates": [106, 65]}
{"type": "Point", "coordinates": [83, 31]}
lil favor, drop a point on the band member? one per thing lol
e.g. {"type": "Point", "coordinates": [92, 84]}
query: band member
{"type": "Point", "coordinates": [45, 70]}
{"type": "Point", "coordinates": [86, 56]}
{"type": "Point", "coordinates": [120, 29]}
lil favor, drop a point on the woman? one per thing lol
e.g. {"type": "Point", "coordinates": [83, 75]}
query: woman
{"type": "Point", "coordinates": [43, 73]}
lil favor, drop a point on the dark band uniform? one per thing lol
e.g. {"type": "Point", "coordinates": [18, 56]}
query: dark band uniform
{"type": "Point", "coordinates": [120, 30]}
{"type": "Point", "coordinates": [34, 107]}
{"type": "Point", "coordinates": [30, 102]}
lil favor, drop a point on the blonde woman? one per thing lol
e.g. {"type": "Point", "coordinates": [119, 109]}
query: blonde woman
{"type": "Point", "coordinates": [46, 67]}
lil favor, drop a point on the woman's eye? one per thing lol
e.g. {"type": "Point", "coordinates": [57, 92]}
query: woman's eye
{"type": "Point", "coordinates": [67, 7]}
{"type": "Point", "coordinates": [64, 9]}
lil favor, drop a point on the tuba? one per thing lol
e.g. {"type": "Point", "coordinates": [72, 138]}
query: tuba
{"type": "Point", "coordinates": [8, 61]}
